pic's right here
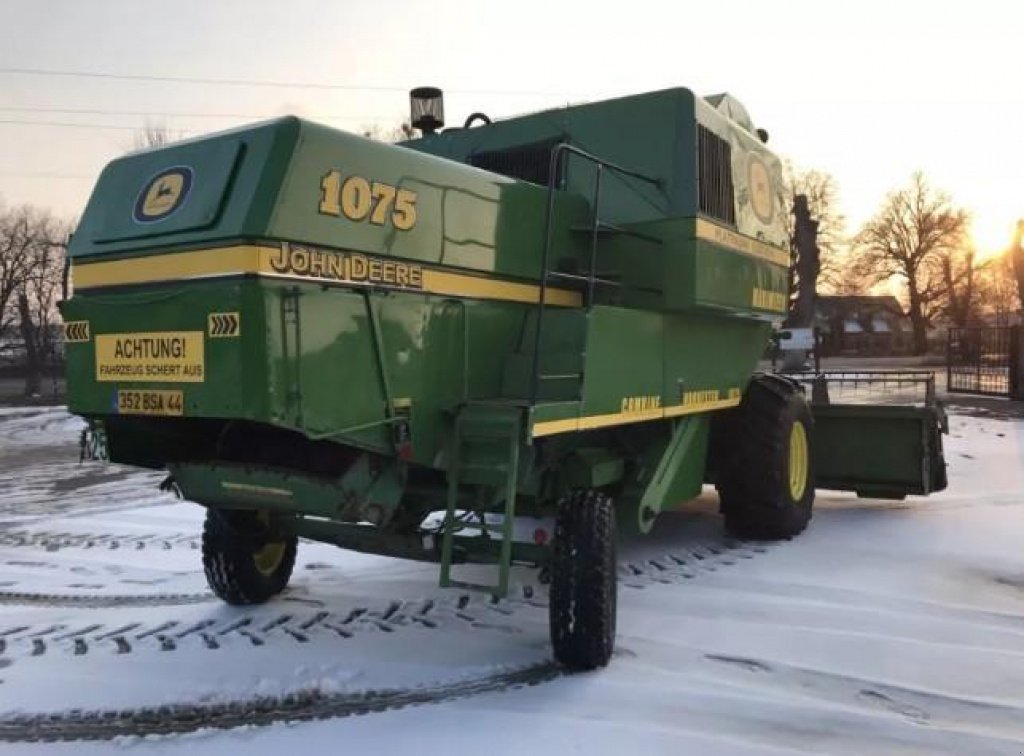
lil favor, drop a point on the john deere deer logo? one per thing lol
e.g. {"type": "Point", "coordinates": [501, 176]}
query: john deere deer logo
{"type": "Point", "coordinates": [163, 194]}
{"type": "Point", "coordinates": [761, 197]}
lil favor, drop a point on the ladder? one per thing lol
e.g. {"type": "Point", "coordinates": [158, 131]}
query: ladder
{"type": "Point", "coordinates": [485, 451]}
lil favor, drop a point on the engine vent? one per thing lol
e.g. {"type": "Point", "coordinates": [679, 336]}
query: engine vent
{"type": "Point", "coordinates": [526, 162]}
{"type": "Point", "coordinates": [714, 176]}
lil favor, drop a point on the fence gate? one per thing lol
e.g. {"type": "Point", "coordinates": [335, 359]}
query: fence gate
{"type": "Point", "coordinates": [983, 360]}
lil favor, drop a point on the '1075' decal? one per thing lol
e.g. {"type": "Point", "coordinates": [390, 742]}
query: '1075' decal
{"type": "Point", "coordinates": [359, 199]}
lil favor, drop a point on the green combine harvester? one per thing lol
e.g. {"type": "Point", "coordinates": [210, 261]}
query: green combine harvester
{"type": "Point", "coordinates": [410, 349]}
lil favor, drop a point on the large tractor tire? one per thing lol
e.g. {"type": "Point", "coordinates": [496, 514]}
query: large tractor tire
{"type": "Point", "coordinates": [583, 580]}
{"type": "Point", "coordinates": [765, 475]}
{"type": "Point", "coordinates": [241, 565]}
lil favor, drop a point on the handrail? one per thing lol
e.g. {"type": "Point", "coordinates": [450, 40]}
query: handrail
{"type": "Point", "coordinates": [556, 157]}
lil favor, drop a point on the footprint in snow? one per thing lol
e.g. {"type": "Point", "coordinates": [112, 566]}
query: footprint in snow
{"type": "Point", "coordinates": [751, 665]}
{"type": "Point", "coordinates": [909, 711]}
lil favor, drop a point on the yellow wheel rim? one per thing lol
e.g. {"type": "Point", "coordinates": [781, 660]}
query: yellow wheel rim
{"type": "Point", "coordinates": [268, 559]}
{"type": "Point", "coordinates": [798, 461]}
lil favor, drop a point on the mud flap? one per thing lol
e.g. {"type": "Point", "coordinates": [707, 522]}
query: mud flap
{"type": "Point", "coordinates": [879, 451]}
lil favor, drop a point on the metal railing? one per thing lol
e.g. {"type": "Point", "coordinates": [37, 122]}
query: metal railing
{"type": "Point", "coordinates": [868, 383]}
{"type": "Point", "coordinates": [597, 227]}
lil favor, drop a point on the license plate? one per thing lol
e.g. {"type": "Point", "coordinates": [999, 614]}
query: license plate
{"type": "Point", "coordinates": [150, 403]}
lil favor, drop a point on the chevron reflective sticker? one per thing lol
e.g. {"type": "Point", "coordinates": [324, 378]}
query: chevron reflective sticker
{"type": "Point", "coordinates": [223, 325]}
{"type": "Point", "coordinates": [76, 331]}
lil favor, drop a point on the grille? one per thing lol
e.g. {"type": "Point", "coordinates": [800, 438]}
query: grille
{"type": "Point", "coordinates": [714, 176]}
{"type": "Point", "coordinates": [527, 162]}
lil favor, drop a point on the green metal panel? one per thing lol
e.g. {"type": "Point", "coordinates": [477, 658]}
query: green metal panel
{"type": "Point", "coordinates": [233, 381]}
{"type": "Point", "coordinates": [364, 493]}
{"type": "Point", "coordinates": [881, 451]}
{"type": "Point", "coordinates": [608, 129]}
{"type": "Point", "coordinates": [464, 217]}
{"type": "Point", "coordinates": [680, 471]}
{"type": "Point", "coordinates": [233, 191]}
{"type": "Point", "coordinates": [732, 347]}
{"type": "Point", "coordinates": [267, 182]}
{"type": "Point", "coordinates": [624, 359]}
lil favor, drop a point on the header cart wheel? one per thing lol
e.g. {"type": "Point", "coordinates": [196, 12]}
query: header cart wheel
{"type": "Point", "coordinates": [766, 476]}
{"type": "Point", "coordinates": [583, 580]}
{"type": "Point", "coordinates": [243, 567]}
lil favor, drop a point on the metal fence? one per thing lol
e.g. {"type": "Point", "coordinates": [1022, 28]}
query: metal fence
{"type": "Point", "coordinates": [983, 361]}
{"type": "Point", "coordinates": [913, 387]}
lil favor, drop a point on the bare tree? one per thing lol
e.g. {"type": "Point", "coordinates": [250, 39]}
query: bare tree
{"type": "Point", "coordinates": [391, 135]}
{"type": "Point", "coordinates": [1017, 253]}
{"type": "Point", "coordinates": [31, 273]}
{"type": "Point", "coordinates": [151, 136]}
{"type": "Point", "coordinates": [805, 254]}
{"type": "Point", "coordinates": [822, 193]}
{"type": "Point", "coordinates": [17, 237]}
{"type": "Point", "coordinates": [37, 306]}
{"type": "Point", "coordinates": [997, 289]}
{"type": "Point", "coordinates": [851, 280]}
{"type": "Point", "coordinates": [905, 240]}
{"type": "Point", "coordinates": [960, 271]}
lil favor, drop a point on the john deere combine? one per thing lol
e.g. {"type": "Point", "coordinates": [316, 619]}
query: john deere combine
{"type": "Point", "coordinates": [400, 349]}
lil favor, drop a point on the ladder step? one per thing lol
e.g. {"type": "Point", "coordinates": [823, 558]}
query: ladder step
{"type": "Point", "coordinates": [581, 278]}
{"type": "Point", "coordinates": [483, 467]}
{"type": "Point", "coordinates": [484, 435]}
{"type": "Point", "coordinates": [492, 589]}
{"type": "Point", "coordinates": [610, 229]}
{"type": "Point", "coordinates": [559, 376]}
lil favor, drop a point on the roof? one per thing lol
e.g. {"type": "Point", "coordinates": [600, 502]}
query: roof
{"type": "Point", "coordinates": [841, 304]}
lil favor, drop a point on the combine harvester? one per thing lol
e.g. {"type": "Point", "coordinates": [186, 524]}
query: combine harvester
{"type": "Point", "coordinates": [556, 316]}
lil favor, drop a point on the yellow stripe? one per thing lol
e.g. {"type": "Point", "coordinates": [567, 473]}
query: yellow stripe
{"type": "Point", "coordinates": [244, 258]}
{"type": "Point", "coordinates": [250, 259]}
{"type": "Point", "coordinates": [724, 237]}
{"type": "Point", "coordinates": [765, 299]}
{"type": "Point", "coordinates": [439, 282]}
{"type": "Point", "coordinates": [591, 422]}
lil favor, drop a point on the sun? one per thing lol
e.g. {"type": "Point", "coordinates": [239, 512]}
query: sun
{"type": "Point", "coordinates": [991, 235]}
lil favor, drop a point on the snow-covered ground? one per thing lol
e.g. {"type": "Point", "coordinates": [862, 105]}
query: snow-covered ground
{"type": "Point", "coordinates": [887, 627]}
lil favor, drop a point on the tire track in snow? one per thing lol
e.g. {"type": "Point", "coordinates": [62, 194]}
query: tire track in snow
{"type": "Point", "coordinates": [263, 627]}
{"type": "Point", "coordinates": [259, 628]}
{"type": "Point", "coordinates": [689, 562]}
{"type": "Point", "coordinates": [102, 601]}
{"type": "Point", "coordinates": [57, 540]}
{"type": "Point", "coordinates": [302, 706]}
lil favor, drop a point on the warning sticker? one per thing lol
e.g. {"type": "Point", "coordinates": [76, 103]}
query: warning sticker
{"type": "Point", "coordinates": [168, 356]}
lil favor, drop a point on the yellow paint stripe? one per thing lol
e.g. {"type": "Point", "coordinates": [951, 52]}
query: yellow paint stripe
{"type": "Point", "coordinates": [724, 237]}
{"type": "Point", "coordinates": [689, 409]}
{"type": "Point", "coordinates": [200, 263]}
{"type": "Point", "coordinates": [439, 282]}
{"type": "Point", "coordinates": [251, 488]}
{"type": "Point", "coordinates": [591, 422]}
{"type": "Point", "coordinates": [250, 259]}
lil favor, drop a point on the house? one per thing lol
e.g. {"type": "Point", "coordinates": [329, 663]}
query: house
{"type": "Point", "coordinates": [862, 325]}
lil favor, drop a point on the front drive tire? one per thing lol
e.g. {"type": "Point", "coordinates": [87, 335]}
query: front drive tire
{"type": "Point", "coordinates": [242, 567]}
{"type": "Point", "coordinates": [766, 471]}
{"type": "Point", "coordinates": [583, 580]}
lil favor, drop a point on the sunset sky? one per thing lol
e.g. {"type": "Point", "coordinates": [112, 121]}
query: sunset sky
{"type": "Point", "coordinates": [868, 91]}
